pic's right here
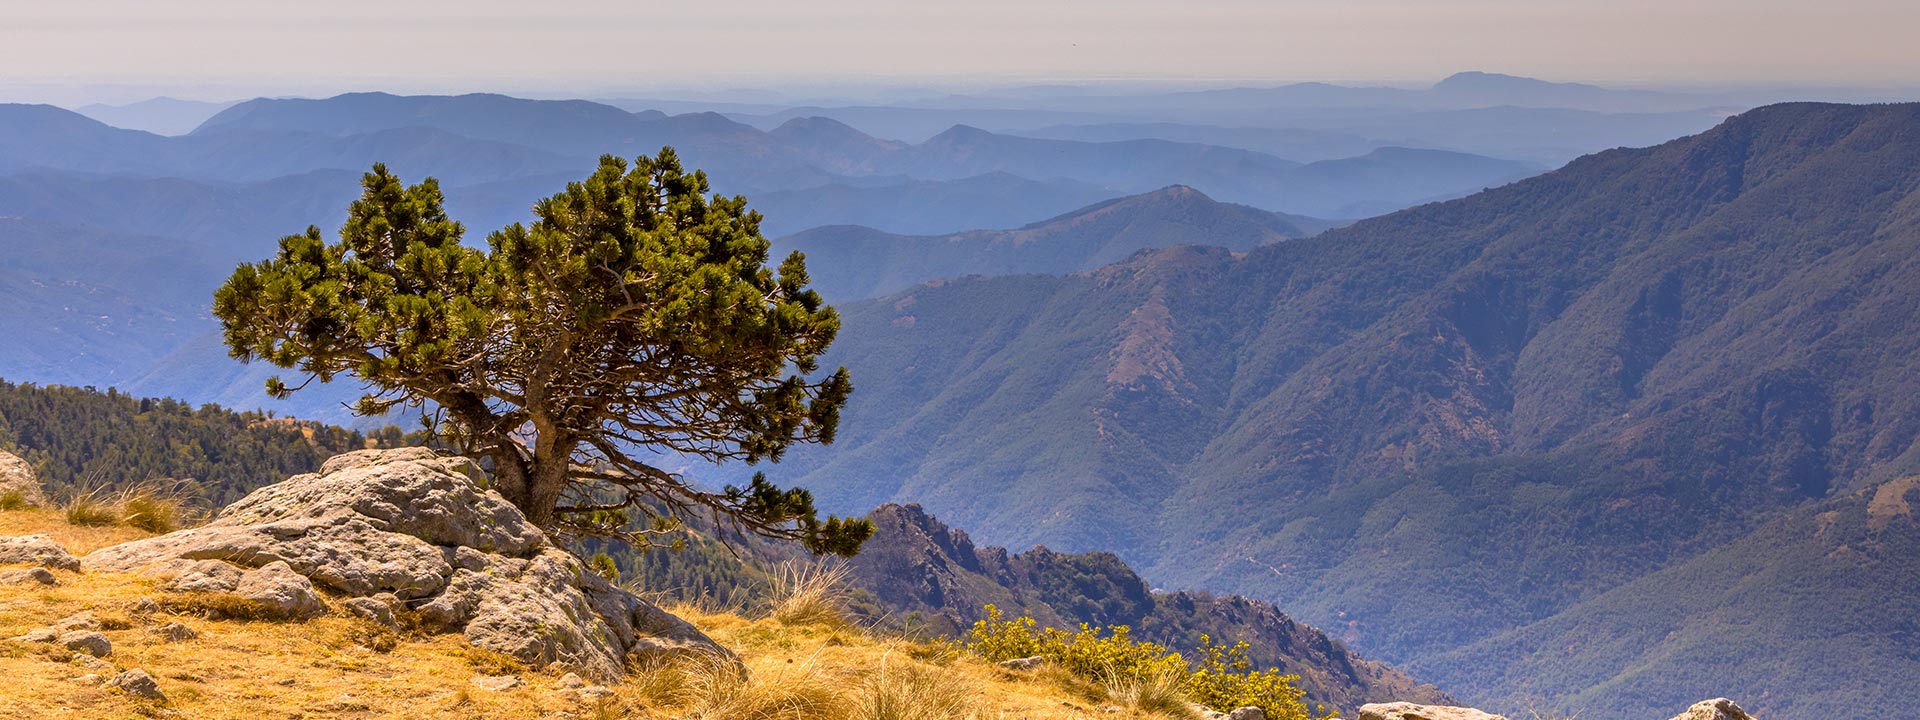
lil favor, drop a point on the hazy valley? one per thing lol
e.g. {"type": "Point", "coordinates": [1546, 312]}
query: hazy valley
{"type": "Point", "coordinates": [1523, 395]}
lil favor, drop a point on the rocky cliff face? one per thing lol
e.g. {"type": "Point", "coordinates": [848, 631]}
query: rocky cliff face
{"type": "Point", "coordinates": [388, 532]}
{"type": "Point", "coordinates": [916, 564]}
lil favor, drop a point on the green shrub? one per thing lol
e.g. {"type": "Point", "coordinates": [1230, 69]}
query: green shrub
{"type": "Point", "coordinates": [1222, 679]}
{"type": "Point", "coordinates": [14, 500]}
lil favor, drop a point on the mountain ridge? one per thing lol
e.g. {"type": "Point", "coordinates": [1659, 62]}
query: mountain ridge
{"type": "Point", "coordinates": [851, 262]}
{"type": "Point", "coordinates": [1568, 380]}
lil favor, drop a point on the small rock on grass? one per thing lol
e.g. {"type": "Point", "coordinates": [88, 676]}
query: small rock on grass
{"type": "Point", "coordinates": [138, 683]}
{"type": "Point", "coordinates": [377, 609]}
{"type": "Point", "coordinates": [42, 635]}
{"type": "Point", "coordinates": [1412, 711]}
{"type": "Point", "coordinates": [90, 662]}
{"type": "Point", "coordinates": [496, 683]}
{"type": "Point", "coordinates": [37, 550]}
{"type": "Point", "coordinates": [1025, 663]}
{"type": "Point", "coordinates": [87, 641]}
{"type": "Point", "coordinates": [30, 575]}
{"type": "Point", "coordinates": [174, 632]}
{"type": "Point", "coordinates": [587, 693]}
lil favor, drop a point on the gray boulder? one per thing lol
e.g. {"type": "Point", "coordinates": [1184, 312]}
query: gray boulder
{"type": "Point", "coordinates": [30, 575]}
{"type": "Point", "coordinates": [378, 608]}
{"type": "Point", "coordinates": [200, 576]}
{"type": "Point", "coordinates": [86, 641]}
{"type": "Point", "coordinates": [36, 550]}
{"type": "Point", "coordinates": [138, 683]}
{"type": "Point", "coordinates": [40, 635]}
{"type": "Point", "coordinates": [1247, 713]}
{"type": "Point", "coordinates": [17, 476]}
{"type": "Point", "coordinates": [1715, 709]}
{"type": "Point", "coordinates": [277, 586]}
{"type": "Point", "coordinates": [174, 632]}
{"type": "Point", "coordinates": [1410, 711]}
{"type": "Point", "coordinates": [410, 527]}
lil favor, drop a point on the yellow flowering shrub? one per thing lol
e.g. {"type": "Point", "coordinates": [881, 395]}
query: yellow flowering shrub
{"type": "Point", "coordinates": [1222, 679]}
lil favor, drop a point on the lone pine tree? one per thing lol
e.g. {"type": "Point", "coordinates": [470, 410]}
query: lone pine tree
{"type": "Point", "coordinates": [635, 316]}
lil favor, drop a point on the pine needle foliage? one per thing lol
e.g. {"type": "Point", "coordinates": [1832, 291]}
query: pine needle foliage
{"type": "Point", "coordinates": [635, 315]}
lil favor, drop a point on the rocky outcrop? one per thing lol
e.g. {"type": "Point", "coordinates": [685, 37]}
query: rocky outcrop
{"type": "Point", "coordinates": [1410, 711]}
{"type": "Point", "coordinates": [1715, 709]}
{"type": "Point", "coordinates": [420, 531]}
{"type": "Point", "coordinates": [17, 476]}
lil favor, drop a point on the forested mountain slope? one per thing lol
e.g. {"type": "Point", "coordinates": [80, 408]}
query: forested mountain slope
{"type": "Point", "coordinates": [1435, 427]}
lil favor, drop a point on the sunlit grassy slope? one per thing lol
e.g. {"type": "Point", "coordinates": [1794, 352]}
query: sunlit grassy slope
{"type": "Point", "coordinates": [341, 667]}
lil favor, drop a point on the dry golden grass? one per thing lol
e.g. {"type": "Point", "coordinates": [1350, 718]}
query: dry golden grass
{"type": "Point", "coordinates": [158, 507]}
{"type": "Point", "coordinates": [78, 540]}
{"type": "Point", "coordinates": [1162, 690]}
{"type": "Point", "coordinates": [811, 593]}
{"type": "Point", "coordinates": [338, 667]}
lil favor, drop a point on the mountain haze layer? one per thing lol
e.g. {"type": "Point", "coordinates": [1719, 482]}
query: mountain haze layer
{"type": "Point", "coordinates": [850, 262]}
{"type": "Point", "coordinates": [1434, 428]}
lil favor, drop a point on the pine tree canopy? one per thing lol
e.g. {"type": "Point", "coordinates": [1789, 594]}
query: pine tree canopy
{"type": "Point", "coordinates": [635, 318]}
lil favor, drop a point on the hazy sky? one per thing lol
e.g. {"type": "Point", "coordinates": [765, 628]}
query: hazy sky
{"type": "Point", "coordinates": [634, 44]}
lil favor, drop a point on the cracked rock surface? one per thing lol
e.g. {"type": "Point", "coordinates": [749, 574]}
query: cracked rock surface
{"type": "Point", "coordinates": [409, 526]}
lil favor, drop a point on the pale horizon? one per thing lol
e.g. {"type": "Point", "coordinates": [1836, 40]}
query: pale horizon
{"type": "Point", "coordinates": [121, 50]}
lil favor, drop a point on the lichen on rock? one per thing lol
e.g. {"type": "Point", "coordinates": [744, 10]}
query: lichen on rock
{"type": "Point", "coordinates": [410, 527]}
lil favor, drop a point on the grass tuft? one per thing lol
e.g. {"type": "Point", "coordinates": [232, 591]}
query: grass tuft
{"type": "Point", "coordinates": [718, 690]}
{"type": "Point", "coordinates": [911, 691]}
{"type": "Point", "coordinates": [90, 508]}
{"type": "Point", "coordinates": [811, 593]}
{"type": "Point", "coordinates": [1159, 690]}
{"type": "Point", "coordinates": [14, 500]}
{"type": "Point", "coordinates": [153, 507]}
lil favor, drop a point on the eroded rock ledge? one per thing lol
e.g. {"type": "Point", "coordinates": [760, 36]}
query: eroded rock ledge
{"type": "Point", "coordinates": [410, 530]}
